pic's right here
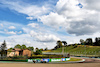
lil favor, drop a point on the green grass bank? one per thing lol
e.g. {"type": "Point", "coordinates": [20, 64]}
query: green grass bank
{"type": "Point", "coordinates": [79, 50]}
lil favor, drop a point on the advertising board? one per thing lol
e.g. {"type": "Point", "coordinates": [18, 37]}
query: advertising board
{"type": "Point", "coordinates": [49, 60]}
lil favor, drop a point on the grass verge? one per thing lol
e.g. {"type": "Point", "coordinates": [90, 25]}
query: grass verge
{"type": "Point", "coordinates": [74, 59]}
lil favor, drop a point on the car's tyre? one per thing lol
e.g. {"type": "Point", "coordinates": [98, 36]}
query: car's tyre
{"type": "Point", "coordinates": [33, 61]}
{"type": "Point", "coordinates": [44, 61]}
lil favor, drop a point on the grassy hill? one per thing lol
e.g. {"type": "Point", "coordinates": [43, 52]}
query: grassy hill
{"type": "Point", "coordinates": [79, 50]}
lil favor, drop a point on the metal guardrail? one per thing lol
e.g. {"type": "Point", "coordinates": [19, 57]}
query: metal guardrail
{"type": "Point", "coordinates": [53, 53]}
{"type": "Point", "coordinates": [63, 54]}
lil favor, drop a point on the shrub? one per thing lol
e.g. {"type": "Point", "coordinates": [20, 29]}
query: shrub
{"type": "Point", "coordinates": [38, 52]}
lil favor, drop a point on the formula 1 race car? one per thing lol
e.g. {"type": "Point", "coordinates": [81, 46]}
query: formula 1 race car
{"type": "Point", "coordinates": [39, 61]}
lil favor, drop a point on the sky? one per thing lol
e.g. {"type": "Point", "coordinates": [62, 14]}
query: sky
{"type": "Point", "coordinates": [40, 23]}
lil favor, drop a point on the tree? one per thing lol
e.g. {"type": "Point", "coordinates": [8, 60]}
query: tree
{"type": "Point", "coordinates": [3, 49]}
{"type": "Point", "coordinates": [38, 52]}
{"type": "Point", "coordinates": [11, 48]}
{"type": "Point", "coordinates": [31, 48]}
{"type": "Point", "coordinates": [59, 44]}
{"type": "Point", "coordinates": [23, 46]}
{"type": "Point", "coordinates": [55, 47]}
{"type": "Point", "coordinates": [89, 41]}
{"type": "Point", "coordinates": [18, 46]}
{"type": "Point", "coordinates": [36, 48]}
{"type": "Point", "coordinates": [97, 41]}
{"type": "Point", "coordinates": [65, 43]}
{"type": "Point", "coordinates": [3, 46]}
{"type": "Point", "coordinates": [82, 41]}
{"type": "Point", "coordinates": [46, 48]}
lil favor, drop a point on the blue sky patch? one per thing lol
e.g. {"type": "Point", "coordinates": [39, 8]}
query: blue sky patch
{"type": "Point", "coordinates": [80, 5]}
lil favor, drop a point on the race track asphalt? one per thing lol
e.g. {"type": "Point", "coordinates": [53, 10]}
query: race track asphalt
{"type": "Point", "coordinates": [50, 65]}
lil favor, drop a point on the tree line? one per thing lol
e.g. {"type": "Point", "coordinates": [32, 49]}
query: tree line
{"type": "Point", "coordinates": [89, 41]}
{"type": "Point", "coordinates": [23, 47]}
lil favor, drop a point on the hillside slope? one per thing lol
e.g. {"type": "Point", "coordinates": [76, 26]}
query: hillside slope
{"type": "Point", "coordinates": [80, 50]}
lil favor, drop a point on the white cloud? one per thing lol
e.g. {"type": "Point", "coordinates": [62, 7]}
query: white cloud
{"type": "Point", "coordinates": [32, 33]}
{"type": "Point", "coordinates": [12, 27]}
{"type": "Point", "coordinates": [43, 37]}
{"type": "Point", "coordinates": [68, 8]}
{"type": "Point", "coordinates": [33, 25]}
{"type": "Point", "coordinates": [31, 18]}
{"type": "Point", "coordinates": [47, 38]}
{"type": "Point", "coordinates": [11, 32]}
{"type": "Point", "coordinates": [53, 19]}
{"type": "Point", "coordinates": [76, 20]}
